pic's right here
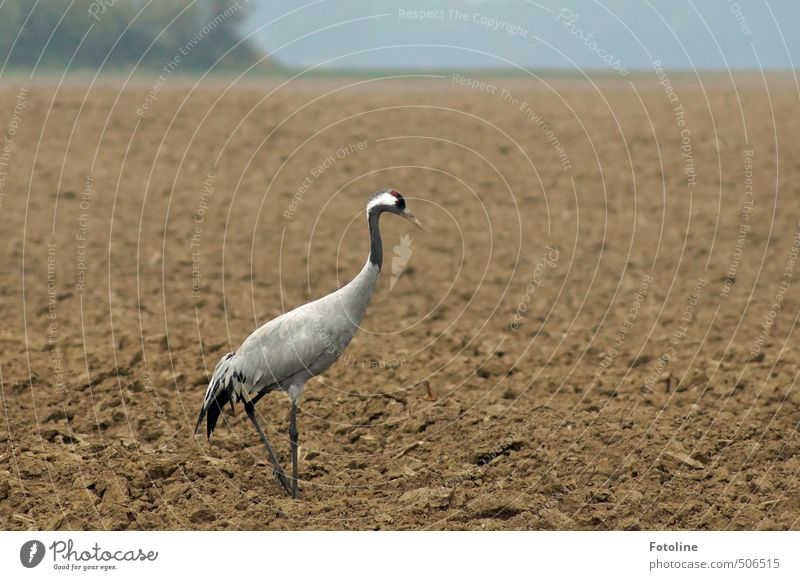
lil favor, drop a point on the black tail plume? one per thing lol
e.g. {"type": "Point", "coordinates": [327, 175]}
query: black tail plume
{"type": "Point", "coordinates": [219, 393]}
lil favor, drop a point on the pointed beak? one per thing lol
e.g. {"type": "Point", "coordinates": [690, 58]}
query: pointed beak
{"type": "Point", "coordinates": [409, 215]}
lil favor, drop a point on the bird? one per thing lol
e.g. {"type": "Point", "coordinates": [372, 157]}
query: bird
{"type": "Point", "coordinates": [284, 353]}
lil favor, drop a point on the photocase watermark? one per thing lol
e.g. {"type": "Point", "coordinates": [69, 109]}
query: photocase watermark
{"type": "Point", "coordinates": [405, 14]}
{"type": "Point", "coordinates": [305, 186]}
{"type": "Point", "coordinates": [333, 346]}
{"type": "Point", "coordinates": [741, 19]}
{"type": "Point", "coordinates": [32, 553]}
{"type": "Point", "coordinates": [372, 363]}
{"type": "Point", "coordinates": [687, 318]}
{"type": "Point", "coordinates": [401, 254]}
{"type": "Point", "coordinates": [548, 133]}
{"type": "Point", "coordinates": [569, 19]}
{"type": "Point", "coordinates": [183, 51]}
{"type": "Point", "coordinates": [56, 360]}
{"type": "Point", "coordinates": [687, 152]}
{"type": "Point", "coordinates": [13, 127]}
{"type": "Point", "coordinates": [206, 192]}
{"type": "Point", "coordinates": [526, 109]}
{"type": "Point", "coordinates": [566, 16]}
{"type": "Point", "coordinates": [624, 329]}
{"type": "Point", "coordinates": [161, 413]}
{"type": "Point", "coordinates": [768, 321]}
{"type": "Point", "coordinates": [82, 235]}
{"type": "Point", "coordinates": [549, 259]}
{"type": "Point", "coordinates": [94, 558]}
{"type": "Point", "coordinates": [483, 86]}
{"type": "Point", "coordinates": [100, 8]}
{"type": "Point", "coordinates": [744, 225]}
{"type": "Point", "coordinates": [483, 20]}
{"type": "Point", "coordinates": [329, 343]}
{"type": "Point", "coordinates": [508, 444]}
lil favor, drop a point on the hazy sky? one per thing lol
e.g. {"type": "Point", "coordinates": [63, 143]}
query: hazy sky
{"type": "Point", "coordinates": [622, 34]}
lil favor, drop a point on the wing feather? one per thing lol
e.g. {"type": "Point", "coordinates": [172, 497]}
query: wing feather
{"type": "Point", "coordinates": [288, 349]}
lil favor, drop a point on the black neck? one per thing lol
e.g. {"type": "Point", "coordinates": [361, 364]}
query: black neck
{"type": "Point", "coordinates": [375, 244]}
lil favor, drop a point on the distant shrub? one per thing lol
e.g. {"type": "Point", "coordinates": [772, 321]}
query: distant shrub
{"type": "Point", "coordinates": [118, 34]}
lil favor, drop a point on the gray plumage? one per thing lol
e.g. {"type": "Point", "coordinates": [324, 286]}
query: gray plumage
{"type": "Point", "coordinates": [287, 351]}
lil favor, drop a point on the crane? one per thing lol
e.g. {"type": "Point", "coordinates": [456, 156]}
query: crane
{"type": "Point", "coordinates": [287, 351]}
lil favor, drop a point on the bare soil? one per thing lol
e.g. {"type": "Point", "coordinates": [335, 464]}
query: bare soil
{"type": "Point", "coordinates": [594, 332]}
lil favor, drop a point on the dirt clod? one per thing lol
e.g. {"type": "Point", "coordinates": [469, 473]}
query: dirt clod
{"type": "Point", "coordinates": [575, 318]}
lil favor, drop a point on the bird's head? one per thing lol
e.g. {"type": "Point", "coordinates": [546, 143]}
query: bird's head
{"type": "Point", "coordinates": [391, 201]}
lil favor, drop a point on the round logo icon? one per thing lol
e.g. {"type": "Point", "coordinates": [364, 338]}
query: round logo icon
{"type": "Point", "coordinates": [31, 553]}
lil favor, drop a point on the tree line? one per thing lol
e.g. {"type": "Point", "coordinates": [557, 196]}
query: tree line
{"type": "Point", "coordinates": [120, 34]}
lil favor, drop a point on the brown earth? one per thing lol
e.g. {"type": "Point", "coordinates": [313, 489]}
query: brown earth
{"type": "Point", "coordinates": [601, 396]}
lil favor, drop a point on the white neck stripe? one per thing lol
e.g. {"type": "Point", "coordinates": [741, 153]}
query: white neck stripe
{"type": "Point", "coordinates": [385, 199]}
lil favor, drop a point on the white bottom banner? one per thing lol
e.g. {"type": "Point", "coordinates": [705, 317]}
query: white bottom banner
{"type": "Point", "coordinates": [400, 554]}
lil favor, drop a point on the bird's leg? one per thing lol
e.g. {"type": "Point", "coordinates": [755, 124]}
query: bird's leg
{"type": "Point", "coordinates": [277, 470]}
{"type": "Point", "coordinates": [293, 435]}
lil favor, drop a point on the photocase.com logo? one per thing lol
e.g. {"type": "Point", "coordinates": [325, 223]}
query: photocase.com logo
{"type": "Point", "coordinates": [31, 553]}
{"type": "Point", "coordinates": [402, 254]}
